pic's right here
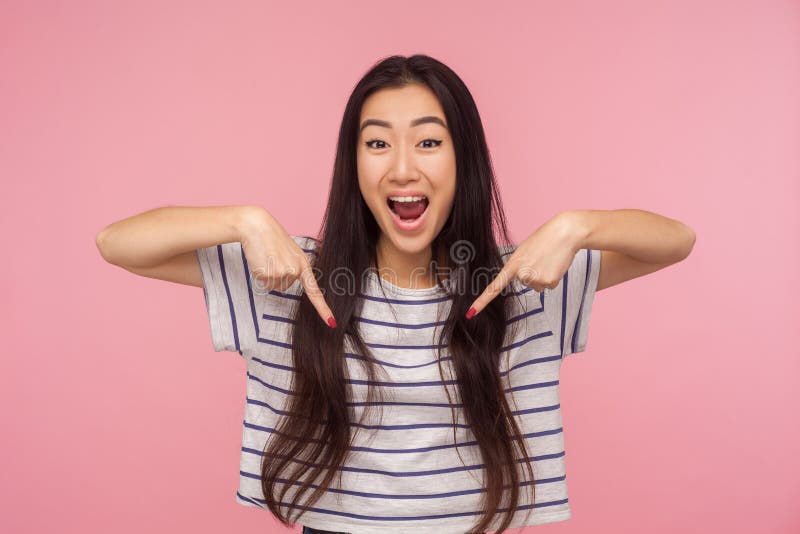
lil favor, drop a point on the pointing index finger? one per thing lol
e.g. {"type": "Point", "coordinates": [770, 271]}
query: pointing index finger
{"type": "Point", "coordinates": [504, 277]}
{"type": "Point", "coordinates": [315, 295]}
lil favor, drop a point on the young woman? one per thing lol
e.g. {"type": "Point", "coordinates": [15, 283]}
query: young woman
{"type": "Point", "coordinates": [403, 366]}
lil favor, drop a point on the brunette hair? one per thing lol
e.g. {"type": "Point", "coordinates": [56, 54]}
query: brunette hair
{"type": "Point", "coordinates": [313, 438]}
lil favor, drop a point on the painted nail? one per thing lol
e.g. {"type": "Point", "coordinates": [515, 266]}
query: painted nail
{"type": "Point", "coordinates": [332, 322]}
{"type": "Point", "coordinates": [470, 313]}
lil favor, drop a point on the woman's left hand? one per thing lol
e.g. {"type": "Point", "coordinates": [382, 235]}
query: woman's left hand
{"type": "Point", "coordinates": [539, 262]}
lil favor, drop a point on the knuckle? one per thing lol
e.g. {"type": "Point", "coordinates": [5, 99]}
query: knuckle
{"type": "Point", "coordinates": [526, 278]}
{"type": "Point", "coordinates": [527, 274]}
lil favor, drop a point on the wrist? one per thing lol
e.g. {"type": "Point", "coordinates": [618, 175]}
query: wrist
{"type": "Point", "coordinates": [244, 218]}
{"type": "Point", "coordinates": [579, 225]}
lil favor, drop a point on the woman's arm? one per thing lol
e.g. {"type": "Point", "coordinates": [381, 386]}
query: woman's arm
{"type": "Point", "coordinates": [161, 243]}
{"type": "Point", "coordinates": [633, 242]}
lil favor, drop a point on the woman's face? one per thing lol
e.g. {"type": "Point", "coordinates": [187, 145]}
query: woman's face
{"type": "Point", "coordinates": [397, 156]}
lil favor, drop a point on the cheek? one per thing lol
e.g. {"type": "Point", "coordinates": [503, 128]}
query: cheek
{"type": "Point", "coordinates": [369, 190]}
{"type": "Point", "coordinates": [364, 174]}
{"type": "Point", "coordinates": [442, 171]}
{"type": "Point", "coordinates": [439, 167]}
{"type": "Point", "coordinates": [369, 177]}
{"type": "Point", "coordinates": [445, 187]}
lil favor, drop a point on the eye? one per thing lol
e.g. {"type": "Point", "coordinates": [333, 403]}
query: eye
{"type": "Point", "coordinates": [369, 143]}
{"type": "Point", "coordinates": [373, 141]}
{"type": "Point", "coordinates": [437, 141]}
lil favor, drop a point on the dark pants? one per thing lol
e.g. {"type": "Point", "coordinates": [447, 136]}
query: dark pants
{"type": "Point", "coordinates": [309, 530]}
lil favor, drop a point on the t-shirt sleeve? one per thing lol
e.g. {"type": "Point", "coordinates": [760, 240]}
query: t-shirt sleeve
{"type": "Point", "coordinates": [235, 300]}
{"type": "Point", "coordinates": [568, 306]}
{"type": "Point", "coordinates": [229, 298]}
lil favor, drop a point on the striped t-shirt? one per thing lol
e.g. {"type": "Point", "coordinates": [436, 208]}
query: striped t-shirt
{"type": "Point", "coordinates": [404, 474]}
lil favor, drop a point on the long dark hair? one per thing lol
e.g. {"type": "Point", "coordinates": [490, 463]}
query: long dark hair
{"type": "Point", "coordinates": [314, 436]}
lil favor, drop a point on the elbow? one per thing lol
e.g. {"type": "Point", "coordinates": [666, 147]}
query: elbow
{"type": "Point", "coordinates": [689, 241]}
{"type": "Point", "coordinates": [100, 242]}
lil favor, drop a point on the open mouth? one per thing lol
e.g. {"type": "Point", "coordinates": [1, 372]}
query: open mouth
{"type": "Point", "coordinates": [408, 209]}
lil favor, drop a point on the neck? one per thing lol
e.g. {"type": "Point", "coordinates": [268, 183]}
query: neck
{"type": "Point", "coordinates": [413, 271]}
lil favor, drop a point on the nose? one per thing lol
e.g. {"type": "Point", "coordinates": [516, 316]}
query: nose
{"type": "Point", "coordinates": [404, 168]}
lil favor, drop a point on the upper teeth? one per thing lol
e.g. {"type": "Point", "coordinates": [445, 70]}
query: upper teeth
{"type": "Point", "coordinates": [406, 199]}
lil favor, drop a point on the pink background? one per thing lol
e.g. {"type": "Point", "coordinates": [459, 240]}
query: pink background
{"type": "Point", "coordinates": [682, 416]}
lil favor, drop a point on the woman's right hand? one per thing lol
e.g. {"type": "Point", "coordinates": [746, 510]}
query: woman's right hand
{"type": "Point", "coordinates": [276, 260]}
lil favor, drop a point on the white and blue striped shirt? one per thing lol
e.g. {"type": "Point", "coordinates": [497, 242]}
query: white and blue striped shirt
{"type": "Point", "coordinates": [404, 474]}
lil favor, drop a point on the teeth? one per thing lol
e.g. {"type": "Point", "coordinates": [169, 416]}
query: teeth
{"type": "Point", "coordinates": [406, 199]}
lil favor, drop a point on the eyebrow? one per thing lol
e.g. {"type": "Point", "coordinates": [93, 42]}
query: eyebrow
{"type": "Point", "coordinates": [415, 122]}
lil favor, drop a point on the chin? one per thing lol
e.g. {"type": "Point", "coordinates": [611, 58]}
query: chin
{"type": "Point", "coordinates": [408, 244]}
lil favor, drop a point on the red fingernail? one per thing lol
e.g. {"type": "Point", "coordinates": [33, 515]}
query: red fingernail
{"type": "Point", "coordinates": [332, 322]}
{"type": "Point", "coordinates": [470, 313]}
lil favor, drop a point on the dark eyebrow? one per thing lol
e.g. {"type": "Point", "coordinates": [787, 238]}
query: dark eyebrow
{"type": "Point", "coordinates": [415, 122]}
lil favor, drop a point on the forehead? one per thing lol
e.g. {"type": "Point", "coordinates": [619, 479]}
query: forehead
{"type": "Point", "coordinates": [400, 105]}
